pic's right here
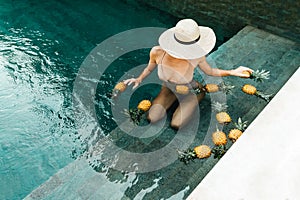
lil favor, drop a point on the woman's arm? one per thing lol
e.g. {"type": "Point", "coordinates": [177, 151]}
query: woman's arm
{"type": "Point", "coordinates": [207, 69]}
{"type": "Point", "coordinates": [150, 67]}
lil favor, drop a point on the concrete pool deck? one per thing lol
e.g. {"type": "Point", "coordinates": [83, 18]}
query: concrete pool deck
{"type": "Point", "coordinates": [260, 165]}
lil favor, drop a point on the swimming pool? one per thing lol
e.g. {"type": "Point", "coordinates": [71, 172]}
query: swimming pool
{"type": "Point", "coordinates": [42, 48]}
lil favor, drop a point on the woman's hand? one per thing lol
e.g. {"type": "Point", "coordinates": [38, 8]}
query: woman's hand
{"type": "Point", "coordinates": [136, 82]}
{"type": "Point", "coordinates": [241, 71]}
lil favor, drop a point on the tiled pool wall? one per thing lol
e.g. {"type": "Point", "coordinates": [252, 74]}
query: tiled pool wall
{"type": "Point", "coordinates": [279, 17]}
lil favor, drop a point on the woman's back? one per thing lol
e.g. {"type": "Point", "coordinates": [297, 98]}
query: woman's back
{"type": "Point", "coordinates": [174, 70]}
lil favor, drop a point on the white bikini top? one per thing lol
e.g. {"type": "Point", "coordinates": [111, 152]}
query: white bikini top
{"type": "Point", "coordinates": [168, 74]}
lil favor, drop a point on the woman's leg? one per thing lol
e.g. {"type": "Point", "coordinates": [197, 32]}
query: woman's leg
{"type": "Point", "coordinates": [160, 104]}
{"type": "Point", "coordinates": [186, 109]}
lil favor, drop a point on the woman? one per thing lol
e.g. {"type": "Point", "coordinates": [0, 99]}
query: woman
{"type": "Point", "coordinates": [182, 48]}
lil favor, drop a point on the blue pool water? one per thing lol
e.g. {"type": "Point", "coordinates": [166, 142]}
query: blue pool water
{"type": "Point", "coordinates": [42, 46]}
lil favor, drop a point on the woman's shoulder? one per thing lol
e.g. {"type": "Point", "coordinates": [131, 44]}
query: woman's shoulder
{"type": "Point", "coordinates": [157, 50]}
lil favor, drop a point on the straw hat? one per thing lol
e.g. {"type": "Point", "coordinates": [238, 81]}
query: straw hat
{"type": "Point", "coordinates": [187, 40]}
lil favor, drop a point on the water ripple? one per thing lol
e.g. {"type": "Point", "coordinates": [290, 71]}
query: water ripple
{"type": "Point", "coordinates": [36, 127]}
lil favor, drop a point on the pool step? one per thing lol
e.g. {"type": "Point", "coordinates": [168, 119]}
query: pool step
{"type": "Point", "coordinates": [79, 181]}
{"type": "Point", "coordinates": [84, 182]}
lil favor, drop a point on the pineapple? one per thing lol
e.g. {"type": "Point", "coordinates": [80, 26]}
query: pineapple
{"type": "Point", "coordinates": [202, 151]}
{"type": "Point", "coordinates": [235, 133]}
{"type": "Point", "coordinates": [226, 88]}
{"type": "Point", "coordinates": [210, 87]}
{"type": "Point", "coordinates": [219, 138]}
{"type": "Point", "coordinates": [135, 114]}
{"type": "Point", "coordinates": [144, 105]}
{"type": "Point", "coordinates": [120, 87]}
{"type": "Point", "coordinates": [182, 89]}
{"type": "Point", "coordinates": [251, 90]}
{"type": "Point", "coordinates": [257, 75]}
{"type": "Point", "coordinates": [222, 116]}
{"type": "Point", "coordinates": [220, 141]}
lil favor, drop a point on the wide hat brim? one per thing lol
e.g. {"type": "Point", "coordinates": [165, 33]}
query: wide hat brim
{"type": "Point", "coordinates": [202, 47]}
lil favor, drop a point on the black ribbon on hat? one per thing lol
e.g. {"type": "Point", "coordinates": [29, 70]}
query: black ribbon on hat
{"type": "Point", "coordinates": [186, 43]}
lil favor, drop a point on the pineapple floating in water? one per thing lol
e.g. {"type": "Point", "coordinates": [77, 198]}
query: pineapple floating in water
{"type": "Point", "coordinates": [144, 105]}
{"type": "Point", "coordinates": [182, 89]}
{"type": "Point", "coordinates": [222, 116]}
{"type": "Point", "coordinates": [202, 151]}
{"type": "Point", "coordinates": [220, 140]}
{"type": "Point", "coordinates": [226, 88]}
{"type": "Point", "coordinates": [135, 114]}
{"type": "Point", "coordinates": [257, 75]}
{"type": "Point", "coordinates": [240, 127]}
{"type": "Point", "coordinates": [251, 90]}
{"type": "Point", "coordinates": [119, 88]}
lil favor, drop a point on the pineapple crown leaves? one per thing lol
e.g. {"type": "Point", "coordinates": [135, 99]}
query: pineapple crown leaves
{"type": "Point", "coordinates": [197, 91]}
{"type": "Point", "coordinates": [219, 107]}
{"type": "Point", "coordinates": [241, 125]}
{"type": "Point", "coordinates": [226, 87]}
{"type": "Point", "coordinates": [186, 155]}
{"type": "Point", "coordinates": [266, 97]}
{"type": "Point", "coordinates": [219, 151]}
{"type": "Point", "coordinates": [260, 75]}
{"type": "Point", "coordinates": [134, 114]}
{"type": "Point", "coordinates": [114, 94]}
